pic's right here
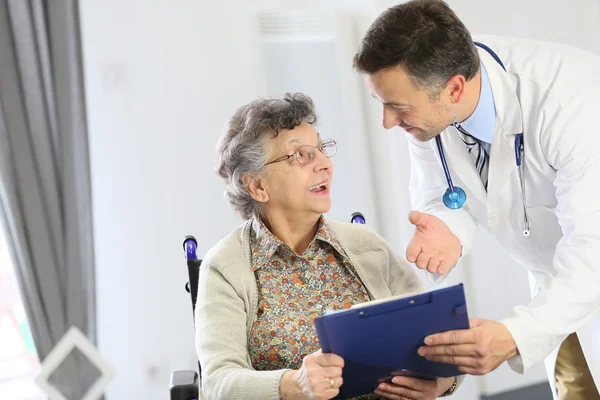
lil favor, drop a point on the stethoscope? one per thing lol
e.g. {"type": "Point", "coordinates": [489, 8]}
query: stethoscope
{"type": "Point", "coordinates": [455, 197]}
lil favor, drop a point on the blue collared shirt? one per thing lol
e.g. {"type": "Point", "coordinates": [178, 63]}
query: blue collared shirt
{"type": "Point", "coordinates": [481, 123]}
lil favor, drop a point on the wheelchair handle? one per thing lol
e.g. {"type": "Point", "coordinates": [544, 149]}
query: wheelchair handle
{"type": "Point", "coordinates": [190, 245]}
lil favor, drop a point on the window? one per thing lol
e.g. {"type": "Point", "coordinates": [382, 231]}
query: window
{"type": "Point", "coordinates": [19, 363]}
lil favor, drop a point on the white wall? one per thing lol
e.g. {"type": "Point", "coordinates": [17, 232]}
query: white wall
{"type": "Point", "coordinates": [161, 79]}
{"type": "Point", "coordinates": [158, 95]}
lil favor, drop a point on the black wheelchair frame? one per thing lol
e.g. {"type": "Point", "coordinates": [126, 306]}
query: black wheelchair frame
{"type": "Point", "coordinates": [186, 384]}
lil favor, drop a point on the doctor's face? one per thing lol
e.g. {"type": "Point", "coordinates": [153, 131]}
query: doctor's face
{"type": "Point", "coordinates": [407, 106]}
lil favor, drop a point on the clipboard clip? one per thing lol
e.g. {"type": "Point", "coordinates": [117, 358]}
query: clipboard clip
{"type": "Point", "coordinates": [394, 305]}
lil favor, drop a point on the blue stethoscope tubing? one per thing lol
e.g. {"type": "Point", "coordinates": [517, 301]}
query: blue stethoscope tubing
{"type": "Point", "coordinates": [455, 197]}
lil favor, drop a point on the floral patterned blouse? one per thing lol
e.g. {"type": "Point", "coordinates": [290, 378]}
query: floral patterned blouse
{"type": "Point", "coordinates": [292, 291]}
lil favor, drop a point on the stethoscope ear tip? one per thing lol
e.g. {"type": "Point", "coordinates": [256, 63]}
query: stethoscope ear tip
{"type": "Point", "coordinates": [526, 232]}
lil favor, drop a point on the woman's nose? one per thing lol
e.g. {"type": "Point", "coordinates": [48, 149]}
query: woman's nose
{"type": "Point", "coordinates": [321, 161]}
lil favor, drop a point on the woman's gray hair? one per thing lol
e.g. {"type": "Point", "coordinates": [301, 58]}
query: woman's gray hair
{"type": "Point", "coordinates": [243, 145]}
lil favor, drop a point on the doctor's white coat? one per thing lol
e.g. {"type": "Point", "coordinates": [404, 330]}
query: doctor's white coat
{"type": "Point", "coordinates": [550, 93]}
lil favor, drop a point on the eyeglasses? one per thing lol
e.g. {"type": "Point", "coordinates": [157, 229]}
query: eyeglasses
{"type": "Point", "coordinates": [306, 154]}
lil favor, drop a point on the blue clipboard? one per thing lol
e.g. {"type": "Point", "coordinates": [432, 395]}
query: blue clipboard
{"type": "Point", "coordinates": [381, 340]}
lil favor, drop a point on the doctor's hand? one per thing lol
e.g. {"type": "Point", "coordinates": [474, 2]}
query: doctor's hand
{"type": "Point", "coordinates": [476, 351]}
{"type": "Point", "coordinates": [433, 246]}
{"type": "Point", "coordinates": [404, 387]}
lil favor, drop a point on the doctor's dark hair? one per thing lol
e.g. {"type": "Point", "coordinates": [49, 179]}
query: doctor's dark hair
{"type": "Point", "coordinates": [243, 145]}
{"type": "Point", "coordinates": [426, 37]}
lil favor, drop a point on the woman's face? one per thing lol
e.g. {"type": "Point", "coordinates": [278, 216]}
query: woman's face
{"type": "Point", "coordinates": [294, 190]}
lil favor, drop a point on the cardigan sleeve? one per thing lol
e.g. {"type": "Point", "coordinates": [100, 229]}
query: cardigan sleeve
{"type": "Point", "coordinates": [221, 340]}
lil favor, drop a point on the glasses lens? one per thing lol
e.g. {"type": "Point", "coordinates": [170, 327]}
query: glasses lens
{"type": "Point", "coordinates": [305, 154]}
{"type": "Point", "coordinates": [329, 148]}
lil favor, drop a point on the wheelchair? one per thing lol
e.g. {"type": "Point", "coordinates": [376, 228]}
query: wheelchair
{"type": "Point", "coordinates": [186, 384]}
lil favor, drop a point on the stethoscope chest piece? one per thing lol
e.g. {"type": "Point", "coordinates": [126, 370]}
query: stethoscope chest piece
{"type": "Point", "coordinates": [454, 199]}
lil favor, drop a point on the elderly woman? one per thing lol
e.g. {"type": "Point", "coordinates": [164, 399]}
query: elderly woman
{"type": "Point", "coordinates": [261, 286]}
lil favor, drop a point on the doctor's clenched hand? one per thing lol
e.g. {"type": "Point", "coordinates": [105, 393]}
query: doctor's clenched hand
{"type": "Point", "coordinates": [433, 246]}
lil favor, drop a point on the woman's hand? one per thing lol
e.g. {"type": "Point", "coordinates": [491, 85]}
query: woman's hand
{"type": "Point", "coordinates": [320, 376]}
{"type": "Point", "coordinates": [408, 388]}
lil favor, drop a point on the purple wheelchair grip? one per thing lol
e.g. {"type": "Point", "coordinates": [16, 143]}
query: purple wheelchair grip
{"type": "Point", "coordinates": [358, 218]}
{"type": "Point", "coordinates": [190, 249]}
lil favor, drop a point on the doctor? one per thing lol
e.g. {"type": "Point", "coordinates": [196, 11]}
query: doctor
{"type": "Point", "coordinates": [504, 133]}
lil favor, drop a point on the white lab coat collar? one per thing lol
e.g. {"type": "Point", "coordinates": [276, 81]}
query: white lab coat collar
{"type": "Point", "coordinates": [509, 123]}
{"type": "Point", "coordinates": [508, 107]}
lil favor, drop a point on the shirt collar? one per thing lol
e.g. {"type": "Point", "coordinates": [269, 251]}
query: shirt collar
{"type": "Point", "coordinates": [326, 234]}
{"type": "Point", "coordinates": [264, 244]}
{"type": "Point", "coordinates": [481, 123]}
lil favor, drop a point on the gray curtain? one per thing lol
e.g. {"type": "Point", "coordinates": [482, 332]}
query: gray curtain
{"type": "Point", "coordinates": [45, 196]}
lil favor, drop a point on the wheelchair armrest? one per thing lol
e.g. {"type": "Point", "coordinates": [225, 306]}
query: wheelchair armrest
{"type": "Point", "coordinates": [184, 385]}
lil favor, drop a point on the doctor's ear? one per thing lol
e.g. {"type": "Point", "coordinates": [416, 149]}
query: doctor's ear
{"type": "Point", "coordinates": [455, 88]}
{"type": "Point", "coordinates": [256, 187]}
